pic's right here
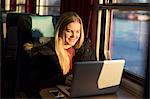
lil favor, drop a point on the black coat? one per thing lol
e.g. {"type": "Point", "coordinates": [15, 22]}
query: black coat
{"type": "Point", "coordinates": [43, 70]}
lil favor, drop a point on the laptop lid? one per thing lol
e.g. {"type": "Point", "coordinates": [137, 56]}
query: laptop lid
{"type": "Point", "coordinates": [95, 77]}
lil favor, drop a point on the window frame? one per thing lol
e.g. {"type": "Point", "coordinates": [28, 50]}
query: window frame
{"type": "Point", "coordinates": [124, 7]}
{"type": "Point", "coordinates": [105, 36]}
{"type": "Point", "coordinates": [103, 7]}
{"type": "Point", "coordinates": [38, 6]}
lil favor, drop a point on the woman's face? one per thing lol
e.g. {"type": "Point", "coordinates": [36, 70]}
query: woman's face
{"type": "Point", "coordinates": [72, 33]}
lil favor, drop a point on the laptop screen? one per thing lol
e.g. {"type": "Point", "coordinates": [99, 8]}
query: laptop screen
{"type": "Point", "coordinates": [111, 73]}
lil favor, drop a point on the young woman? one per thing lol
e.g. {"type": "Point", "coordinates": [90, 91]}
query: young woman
{"type": "Point", "coordinates": [55, 67]}
{"type": "Point", "coordinates": [69, 35]}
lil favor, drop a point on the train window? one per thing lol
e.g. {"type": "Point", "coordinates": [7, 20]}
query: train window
{"type": "Point", "coordinates": [122, 32]}
{"type": "Point", "coordinates": [130, 31]}
{"type": "Point", "coordinates": [43, 7]}
{"type": "Point", "coordinates": [48, 7]}
{"type": "Point", "coordinates": [7, 5]}
{"type": "Point", "coordinates": [123, 28]}
{"type": "Point", "coordinates": [12, 5]}
{"type": "Point", "coordinates": [20, 5]}
{"type": "Point", "coordinates": [132, 1]}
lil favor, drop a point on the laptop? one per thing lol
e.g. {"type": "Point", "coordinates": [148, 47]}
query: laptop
{"type": "Point", "coordinates": [94, 78]}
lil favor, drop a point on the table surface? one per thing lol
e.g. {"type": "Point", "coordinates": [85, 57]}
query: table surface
{"type": "Point", "coordinates": [120, 94]}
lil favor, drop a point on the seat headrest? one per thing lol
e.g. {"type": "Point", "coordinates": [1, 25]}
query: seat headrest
{"type": "Point", "coordinates": [42, 26]}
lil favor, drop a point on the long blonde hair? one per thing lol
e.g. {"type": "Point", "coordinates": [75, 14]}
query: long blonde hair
{"type": "Point", "coordinates": [62, 54]}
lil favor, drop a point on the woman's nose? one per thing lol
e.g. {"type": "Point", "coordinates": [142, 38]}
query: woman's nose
{"type": "Point", "coordinates": [72, 34]}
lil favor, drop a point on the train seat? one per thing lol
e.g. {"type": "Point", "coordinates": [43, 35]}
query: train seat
{"type": "Point", "coordinates": [22, 28]}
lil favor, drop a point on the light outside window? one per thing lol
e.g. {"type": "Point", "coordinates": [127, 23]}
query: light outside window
{"type": "Point", "coordinates": [20, 1]}
{"type": "Point", "coordinates": [7, 5]}
{"type": "Point", "coordinates": [132, 1]}
{"type": "Point", "coordinates": [48, 7]}
{"type": "Point", "coordinates": [130, 31]}
{"type": "Point", "coordinates": [20, 5]}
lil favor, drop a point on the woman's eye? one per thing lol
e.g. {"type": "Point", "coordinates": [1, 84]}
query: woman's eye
{"type": "Point", "coordinates": [68, 31]}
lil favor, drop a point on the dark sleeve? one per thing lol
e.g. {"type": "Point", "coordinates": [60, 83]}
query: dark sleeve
{"type": "Point", "coordinates": [48, 68]}
{"type": "Point", "coordinates": [54, 68]}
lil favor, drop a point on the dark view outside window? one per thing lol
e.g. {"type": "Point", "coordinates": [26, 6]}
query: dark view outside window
{"type": "Point", "coordinates": [130, 31]}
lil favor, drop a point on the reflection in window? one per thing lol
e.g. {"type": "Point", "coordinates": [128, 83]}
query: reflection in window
{"type": "Point", "coordinates": [130, 29]}
{"type": "Point", "coordinates": [20, 8]}
{"type": "Point", "coordinates": [20, 1]}
{"type": "Point", "coordinates": [48, 7]}
{"type": "Point", "coordinates": [7, 5]}
{"type": "Point", "coordinates": [20, 5]}
{"type": "Point", "coordinates": [132, 1]}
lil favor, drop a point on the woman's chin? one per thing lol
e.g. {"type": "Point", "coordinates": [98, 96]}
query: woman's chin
{"type": "Point", "coordinates": [68, 46]}
{"type": "Point", "coordinates": [72, 43]}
